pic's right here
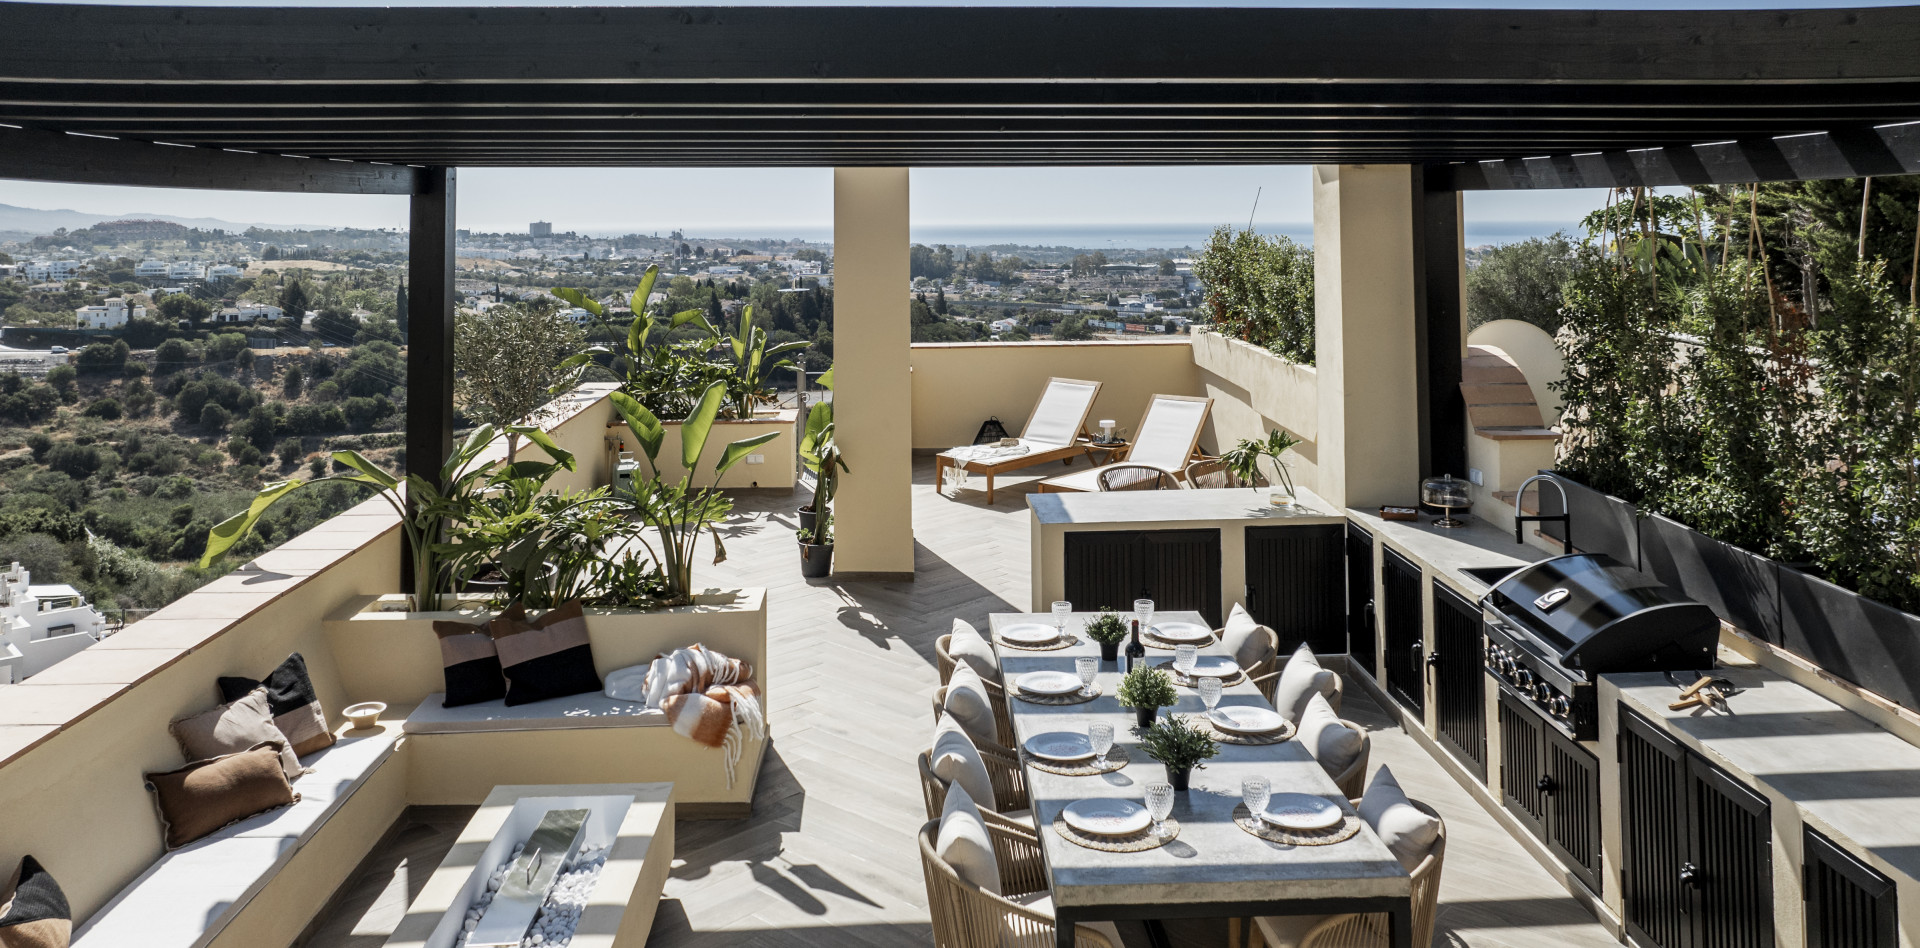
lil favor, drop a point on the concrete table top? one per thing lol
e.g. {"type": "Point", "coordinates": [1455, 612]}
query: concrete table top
{"type": "Point", "coordinates": [1177, 506]}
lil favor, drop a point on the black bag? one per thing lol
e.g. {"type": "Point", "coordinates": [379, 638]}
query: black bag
{"type": "Point", "coordinates": [991, 431]}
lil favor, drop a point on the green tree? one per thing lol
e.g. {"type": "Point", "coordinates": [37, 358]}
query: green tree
{"type": "Point", "coordinates": [294, 300]}
{"type": "Point", "coordinates": [510, 361]}
{"type": "Point", "coordinates": [1072, 328]}
{"type": "Point", "coordinates": [1260, 289]}
{"type": "Point", "coordinates": [1522, 281]}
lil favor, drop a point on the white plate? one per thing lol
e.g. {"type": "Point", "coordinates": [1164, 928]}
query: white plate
{"type": "Point", "coordinates": [1214, 666]}
{"type": "Point", "coordinates": [1301, 811]}
{"type": "Point", "coordinates": [1048, 683]}
{"type": "Point", "coordinates": [1245, 719]}
{"type": "Point", "coordinates": [1059, 745]}
{"type": "Point", "coordinates": [1106, 817]}
{"type": "Point", "coordinates": [1182, 632]}
{"type": "Point", "coordinates": [1030, 633]}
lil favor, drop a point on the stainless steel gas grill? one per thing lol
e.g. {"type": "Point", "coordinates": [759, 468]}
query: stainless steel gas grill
{"type": "Point", "coordinates": [1554, 626]}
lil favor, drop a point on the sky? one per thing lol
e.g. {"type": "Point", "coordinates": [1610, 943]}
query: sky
{"type": "Point", "coordinates": [1384, 4]}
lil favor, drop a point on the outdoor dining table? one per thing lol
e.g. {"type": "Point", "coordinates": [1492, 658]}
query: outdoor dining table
{"type": "Point", "coordinates": [1214, 869]}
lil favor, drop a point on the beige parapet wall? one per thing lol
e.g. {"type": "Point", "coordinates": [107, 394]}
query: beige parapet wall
{"type": "Point", "coordinates": [1255, 391]}
{"type": "Point", "coordinates": [957, 385]}
{"type": "Point", "coordinates": [777, 469]}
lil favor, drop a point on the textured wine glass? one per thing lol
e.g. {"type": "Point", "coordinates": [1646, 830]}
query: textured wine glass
{"type": "Point", "coordinates": [1210, 692]}
{"type": "Point", "coordinates": [1143, 610]}
{"type": "Point", "coordinates": [1184, 658]}
{"type": "Point", "coordinates": [1088, 666]}
{"type": "Point", "coordinates": [1159, 806]}
{"type": "Point", "coordinates": [1060, 610]}
{"type": "Point", "coordinates": [1254, 791]}
{"type": "Point", "coordinates": [1101, 737]}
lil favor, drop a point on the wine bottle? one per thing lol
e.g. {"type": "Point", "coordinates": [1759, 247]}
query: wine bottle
{"type": "Point", "coordinates": [1136, 653]}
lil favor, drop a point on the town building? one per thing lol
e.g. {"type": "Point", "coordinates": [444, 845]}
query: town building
{"type": "Point", "coordinates": [186, 270]}
{"type": "Point", "coordinates": [248, 312]}
{"type": "Point", "coordinates": [151, 270]}
{"type": "Point", "coordinates": [40, 625]}
{"type": "Point", "coordinates": [44, 271]}
{"type": "Point", "coordinates": [112, 314]}
{"type": "Point", "coordinates": [540, 229]}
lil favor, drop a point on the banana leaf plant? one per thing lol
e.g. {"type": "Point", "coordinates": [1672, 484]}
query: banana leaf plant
{"type": "Point", "coordinates": [662, 373]}
{"type": "Point", "coordinates": [754, 363]}
{"type": "Point", "coordinates": [821, 455]}
{"type": "Point", "coordinates": [1244, 458]}
{"type": "Point", "coordinates": [463, 480]}
{"type": "Point", "coordinates": [679, 510]}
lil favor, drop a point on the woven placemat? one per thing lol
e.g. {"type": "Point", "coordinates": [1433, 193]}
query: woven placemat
{"type": "Point", "coordinates": [1188, 681]}
{"type": "Point", "coordinates": [1116, 759]}
{"type": "Point", "coordinates": [1201, 723]}
{"type": "Point", "coordinates": [1137, 843]}
{"type": "Point", "coordinates": [1065, 641]}
{"type": "Point", "coordinates": [1165, 645]}
{"type": "Point", "coordinates": [1244, 819]}
{"type": "Point", "coordinates": [1073, 698]}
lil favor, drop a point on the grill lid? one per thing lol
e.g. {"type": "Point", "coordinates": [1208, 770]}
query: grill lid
{"type": "Point", "coordinates": [1601, 615]}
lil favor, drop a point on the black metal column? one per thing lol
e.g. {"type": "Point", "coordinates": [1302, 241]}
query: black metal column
{"type": "Point", "coordinates": [1438, 322]}
{"type": "Point", "coordinates": [430, 327]}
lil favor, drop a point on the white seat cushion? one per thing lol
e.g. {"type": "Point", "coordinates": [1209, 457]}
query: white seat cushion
{"type": "Point", "coordinates": [1042, 902]}
{"type": "Point", "coordinates": [1246, 640]}
{"type": "Point", "coordinates": [1409, 833]}
{"type": "Point", "coordinates": [967, 645]}
{"type": "Point", "coordinates": [1087, 480]}
{"type": "Point", "coordinates": [593, 709]}
{"type": "Point", "coordinates": [1331, 742]}
{"type": "Point", "coordinates": [956, 761]}
{"type": "Point", "coordinates": [1303, 678]}
{"type": "Point", "coordinates": [964, 844]}
{"type": "Point", "coordinates": [968, 703]}
{"type": "Point", "coordinates": [1061, 411]}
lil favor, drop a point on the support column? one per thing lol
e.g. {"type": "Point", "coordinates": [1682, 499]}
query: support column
{"type": "Point", "coordinates": [1365, 347]}
{"type": "Point", "coordinates": [1440, 319]}
{"type": "Point", "coordinates": [429, 319]}
{"type": "Point", "coordinates": [872, 409]}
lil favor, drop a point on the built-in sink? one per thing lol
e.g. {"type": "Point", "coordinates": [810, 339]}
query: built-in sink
{"type": "Point", "coordinates": [1488, 575]}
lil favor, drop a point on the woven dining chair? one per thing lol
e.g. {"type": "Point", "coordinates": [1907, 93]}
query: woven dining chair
{"type": "Point", "coordinates": [1364, 930]}
{"type": "Point", "coordinates": [967, 916]}
{"type": "Point", "coordinates": [1353, 780]}
{"type": "Point", "coordinates": [1009, 785]}
{"type": "Point", "coordinates": [1138, 477]}
{"type": "Point", "coordinates": [1213, 473]}
{"type": "Point", "coordinates": [943, 659]}
{"type": "Point", "coordinates": [1270, 682]}
{"type": "Point", "coordinates": [1265, 668]}
{"type": "Point", "coordinates": [1002, 718]}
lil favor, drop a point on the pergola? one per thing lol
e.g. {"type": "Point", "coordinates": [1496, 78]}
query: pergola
{"type": "Point", "coordinates": [391, 101]}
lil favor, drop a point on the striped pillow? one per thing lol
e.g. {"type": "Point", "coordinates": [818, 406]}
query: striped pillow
{"type": "Point", "coordinates": [470, 662]}
{"type": "Point", "coordinates": [548, 657]}
{"type": "Point", "coordinates": [295, 706]}
{"type": "Point", "coordinates": [35, 914]}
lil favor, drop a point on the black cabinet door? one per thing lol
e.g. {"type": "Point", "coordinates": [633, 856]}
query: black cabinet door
{"type": "Point", "coordinates": [1363, 634]}
{"type": "Point", "coordinates": [1653, 839]}
{"type": "Point", "coordinates": [1295, 577]}
{"type": "Point", "coordinates": [1573, 806]}
{"type": "Point", "coordinates": [1459, 678]}
{"type": "Point", "coordinates": [1178, 569]}
{"type": "Point", "coordinates": [1405, 656]}
{"type": "Point", "coordinates": [1522, 763]}
{"type": "Point", "coordinates": [1849, 903]}
{"type": "Point", "coordinates": [1732, 881]}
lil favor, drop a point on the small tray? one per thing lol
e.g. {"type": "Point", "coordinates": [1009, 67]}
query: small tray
{"type": "Point", "coordinates": [1397, 512]}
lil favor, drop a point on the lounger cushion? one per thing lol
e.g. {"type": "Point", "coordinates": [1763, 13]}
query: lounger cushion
{"type": "Point", "coordinates": [232, 728]}
{"type": "Point", "coordinates": [1408, 832]}
{"type": "Point", "coordinates": [548, 657]}
{"type": "Point", "coordinates": [433, 716]}
{"type": "Point", "coordinates": [1331, 742]}
{"type": "Point", "coordinates": [1246, 640]}
{"type": "Point", "coordinates": [208, 794]}
{"type": "Point", "coordinates": [470, 663]}
{"type": "Point", "coordinates": [35, 914]}
{"type": "Point", "coordinates": [295, 706]}
{"type": "Point", "coordinates": [968, 703]}
{"type": "Point", "coordinates": [1303, 678]}
{"type": "Point", "coordinates": [967, 645]}
{"type": "Point", "coordinates": [1087, 480]}
{"type": "Point", "coordinates": [957, 762]}
{"type": "Point", "coordinates": [964, 844]}
{"type": "Point", "coordinates": [1062, 409]}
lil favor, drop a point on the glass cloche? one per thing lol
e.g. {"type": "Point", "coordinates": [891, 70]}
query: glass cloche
{"type": "Point", "coordinates": [1450, 494]}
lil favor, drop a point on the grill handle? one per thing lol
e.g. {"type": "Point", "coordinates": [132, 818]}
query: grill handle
{"type": "Point", "coordinates": [1690, 875]}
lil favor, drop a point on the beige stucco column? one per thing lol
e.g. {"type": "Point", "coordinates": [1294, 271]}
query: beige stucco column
{"type": "Point", "coordinates": [1364, 348]}
{"type": "Point", "coordinates": [873, 410]}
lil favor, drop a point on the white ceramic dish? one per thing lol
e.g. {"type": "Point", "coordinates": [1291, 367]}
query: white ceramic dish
{"type": "Point", "coordinates": [1059, 745]}
{"type": "Point", "coordinates": [1030, 633]}
{"type": "Point", "coordinates": [1106, 817]}
{"type": "Point", "coordinates": [1214, 666]}
{"type": "Point", "coordinates": [365, 714]}
{"type": "Point", "coordinates": [1245, 719]}
{"type": "Point", "coordinates": [1182, 632]}
{"type": "Point", "coordinates": [1048, 683]}
{"type": "Point", "coordinates": [1301, 811]}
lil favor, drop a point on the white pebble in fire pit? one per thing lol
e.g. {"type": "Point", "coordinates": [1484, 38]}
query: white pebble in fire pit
{"type": "Point", "coordinates": [560, 914]}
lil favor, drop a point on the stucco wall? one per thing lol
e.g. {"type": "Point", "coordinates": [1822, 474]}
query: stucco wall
{"type": "Point", "coordinates": [1254, 392]}
{"type": "Point", "coordinates": [956, 386]}
{"type": "Point", "coordinates": [1533, 351]}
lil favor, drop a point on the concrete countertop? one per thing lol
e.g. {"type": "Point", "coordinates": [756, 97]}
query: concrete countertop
{"type": "Point", "coordinates": [1445, 551]}
{"type": "Point", "coordinates": [1177, 506]}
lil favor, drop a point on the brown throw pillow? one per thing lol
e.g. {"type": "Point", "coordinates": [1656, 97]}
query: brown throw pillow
{"type": "Point", "coordinates": [208, 794]}
{"type": "Point", "coordinates": [35, 914]}
{"type": "Point", "coordinates": [471, 663]}
{"type": "Point", "coordinates": [290, 696]}
{"type": "Point", "coordinates": [231, 728]}
{"type": "Point", "coordinates": [546, 658]}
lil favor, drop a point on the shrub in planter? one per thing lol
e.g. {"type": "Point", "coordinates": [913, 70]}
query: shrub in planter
{"type": "Point", "coordinates": [1179, 747]}
{"type": "Point", "coordinates": [1146, 690]}
{"type": "Point", "coordinates": [1107, 629]}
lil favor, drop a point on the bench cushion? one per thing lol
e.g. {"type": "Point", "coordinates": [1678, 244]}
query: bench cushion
{"type": "Point", "coordinates": [573, 711]}
{"type": "Point", "coordinates": [188, 896]}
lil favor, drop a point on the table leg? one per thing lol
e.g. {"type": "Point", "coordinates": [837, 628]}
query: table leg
{"type": "Point", "coordinates": [1062, 933]}
{"type": "Point", "coordinates": [939, 473]}
{"type": "Point", "coordinates": [1400, 925]}
{"type": "Point", "coordinates": [990, 503]}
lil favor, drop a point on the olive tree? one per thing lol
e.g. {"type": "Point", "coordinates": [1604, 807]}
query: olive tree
{"type": "Point", "coordinates": [510, 361]}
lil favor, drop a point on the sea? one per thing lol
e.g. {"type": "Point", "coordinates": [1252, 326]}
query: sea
{"type": "Point", "coordinates": [1155, 236]}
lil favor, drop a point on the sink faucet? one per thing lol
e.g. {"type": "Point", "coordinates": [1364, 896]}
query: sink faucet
{"type": "Point", "coordinates": [1565, 517]}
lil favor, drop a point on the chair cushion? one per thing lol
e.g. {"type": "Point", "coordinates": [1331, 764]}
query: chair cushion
{"type": "Point", "coordinates": [1042, 902]}
{"type": "Point", "coordinates": [549, 657]}
{"type": "Point", "coordinates": [295, 706]}
{"type": "Point", "coordinates": [968, 703]}
{"type": "Point", "coordinates": [36, 914]}
{"type": "Point", "coordinates": [208, 794]}
{"type": "Point", "coordinates": [964, 844]}
{"type": "Point", "coordinates": [967, 645]}
{"type": "Point", "coordinates": [1330, 741]}
{"type": "Point", "coordinates": [1409, 833]}
{"type": "Point", "coordinates": [1246, 640]}
{"type": "Point", "coordinates": [956, 761]}
{"type": "Point", "coordinates": [232, 728]}
{"type": "Point", "coordinates": [1303, 678]}
{"type": "Point", "coordinates": [433, 716]}
{"type": "Point", "coordinates": [470, 663]}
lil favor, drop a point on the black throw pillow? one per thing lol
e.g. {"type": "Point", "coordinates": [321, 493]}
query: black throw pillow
{"type": "Point", "coordinates": [35, 914]}
{"type": "Point", "coordinates": [470, 662]}
{"type": "Point", "coordinates": [549, 657]}
{"type": "Point", "coordinates": [291, 700]}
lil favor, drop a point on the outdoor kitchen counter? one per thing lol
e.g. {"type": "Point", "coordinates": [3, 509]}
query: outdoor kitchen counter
{"type": "Point", "coordinates": [1443, 552]}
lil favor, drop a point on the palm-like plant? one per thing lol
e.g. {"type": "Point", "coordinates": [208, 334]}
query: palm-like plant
{"type": "Point", "coordinates": [821, 455]}
{"type": "Point", "coordinates": [1244, 459]}
{"type": "Point", "coordinates": [755, 363]}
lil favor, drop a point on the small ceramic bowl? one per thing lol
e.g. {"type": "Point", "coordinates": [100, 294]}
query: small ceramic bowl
{"type": "Point", "coordinates": [366, 714]}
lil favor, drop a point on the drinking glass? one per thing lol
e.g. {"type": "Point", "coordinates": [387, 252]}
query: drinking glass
{"type": "Point", "coordinates": [1184, 657]}
{"type": "Point", "coordinates": [1159, 806]}
{"type": "Point", "coordinates": [1101, 737]}
{"type": "Point", "coordinates": [1060, 610]}
{"type": "Point", "coordinates": [1254, 792]}
{"type": "Point", "coordinates": [1143, 610]}
{"type": "Point", "coordinates": [1088, 666]}
{"type": "Point", "coordinates": [1210, 692]}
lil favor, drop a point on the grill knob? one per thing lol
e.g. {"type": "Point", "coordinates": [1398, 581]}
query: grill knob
{"type": "Point", "coordinates": [1542, 692]}
{"type": "Point", "coordinates": [1560, 706]}
{"type": "Point", "coordinates": [1523, 678]}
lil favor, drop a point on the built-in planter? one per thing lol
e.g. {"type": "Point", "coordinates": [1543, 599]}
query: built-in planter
{"type": "Point", "coordinates": [1255, 391]}
{"type": "Point", "coordinates": [1740, 587]}
{"type": "Point", "coordinates": [1868, 643]}
{"type": "Point", "coordinates": [776, 469]}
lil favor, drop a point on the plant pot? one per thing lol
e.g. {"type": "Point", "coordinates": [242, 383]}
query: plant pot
{"type": "Point", "coordinates": [1145, 716]}
{"type": "Point", "coordinates": [816, 560]}
{"type": "Point", "coordinates": [807, 517]}
{"type": "Point", "coordinates": [1180, 778]}
{"type": "Point", "coordinates": [1109, 651]}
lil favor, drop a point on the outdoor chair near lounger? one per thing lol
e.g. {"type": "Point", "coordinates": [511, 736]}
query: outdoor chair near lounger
{"type": "Point", "coordinates": [1052, 434]}
{"type": "Point", "coordinates": [1168, 437]}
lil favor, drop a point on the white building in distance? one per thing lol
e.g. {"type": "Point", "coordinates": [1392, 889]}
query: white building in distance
{"type": "Point", "coordinates": [187, 270]}
{"type": "Point", "coordinates": [112, 314]}
{"type": "Point", "coordinates": [151, 270]}
{"type": "Point", "coordinates": [248, 312]}
{"type": "Point", "coordinates": [42, 271]}
{"type": "Point", "coordinates": [40, 625]}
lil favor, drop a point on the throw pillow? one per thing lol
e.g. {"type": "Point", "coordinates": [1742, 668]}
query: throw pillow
{"type": "Point", "coordinates": [1303, 678]}
{"type": "Point", "coordinates": [36, 914]}
{"type": "Point", "coordinates": [957, 762]}
{"type": "Point", "coordinates": [1331, 742]}
{"type": "Point", "coordinates": [231, 728]}
{"type": "Point", "coordinates": [470, 662]}
{"type": "Point", "coordinates": [547, 658]}
{"type": "Point", "coordinates": [969, 647]}
{"type": "Point", "coordinates": [208, 794]}
{"type": "Point", "coordinates": [1407, 831]}
{"type": "Point", "coordinates": [964, 843]}
{"type": "Point", "coordinates": [967, 701]}
{"type": "Point", "coordinates": [296, 708]}
{"type": "Point", "coordinates": [1249, 642]}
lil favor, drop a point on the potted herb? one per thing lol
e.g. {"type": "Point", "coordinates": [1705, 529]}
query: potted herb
{"type": "Point", "coordinates": [1244, 461]}
{"type": "Point", "coordinates": [1179, 747]}
{"type": "Point", "coordinates": [816, 547]}
{"type": "Point", "coordinates": [1146, 690]}
{"type": "Point", "coordinates": [1107, 629]}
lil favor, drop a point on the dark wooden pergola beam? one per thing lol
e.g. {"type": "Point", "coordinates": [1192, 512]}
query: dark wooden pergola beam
{"type": "Point", "coordinates": [36, 155]}
{"type": "Point", "coordinates": [1849, 153]}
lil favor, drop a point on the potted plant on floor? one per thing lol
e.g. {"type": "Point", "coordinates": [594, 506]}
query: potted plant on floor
{"type": "Point", "coordinates": [1107, 629]}
{"type": "Point", "coordinates": [816, 547]}
{"type": "Point", "coordinates": [1146, 690]}
{"type": "Point", "coordinates": [1244, 461]}
{"type": "Point", "coordinates": [820, 452]}
{"type": "Point", "coordinates": [1179, 747]}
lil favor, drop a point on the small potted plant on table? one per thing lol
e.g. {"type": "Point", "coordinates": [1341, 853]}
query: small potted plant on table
{"type": "Point", "coordinates": [1107, 629]}
{"type": "Point", "coordinates": [1146, 690]}
{"type": "Point", "coordinates": [1179, 747]}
